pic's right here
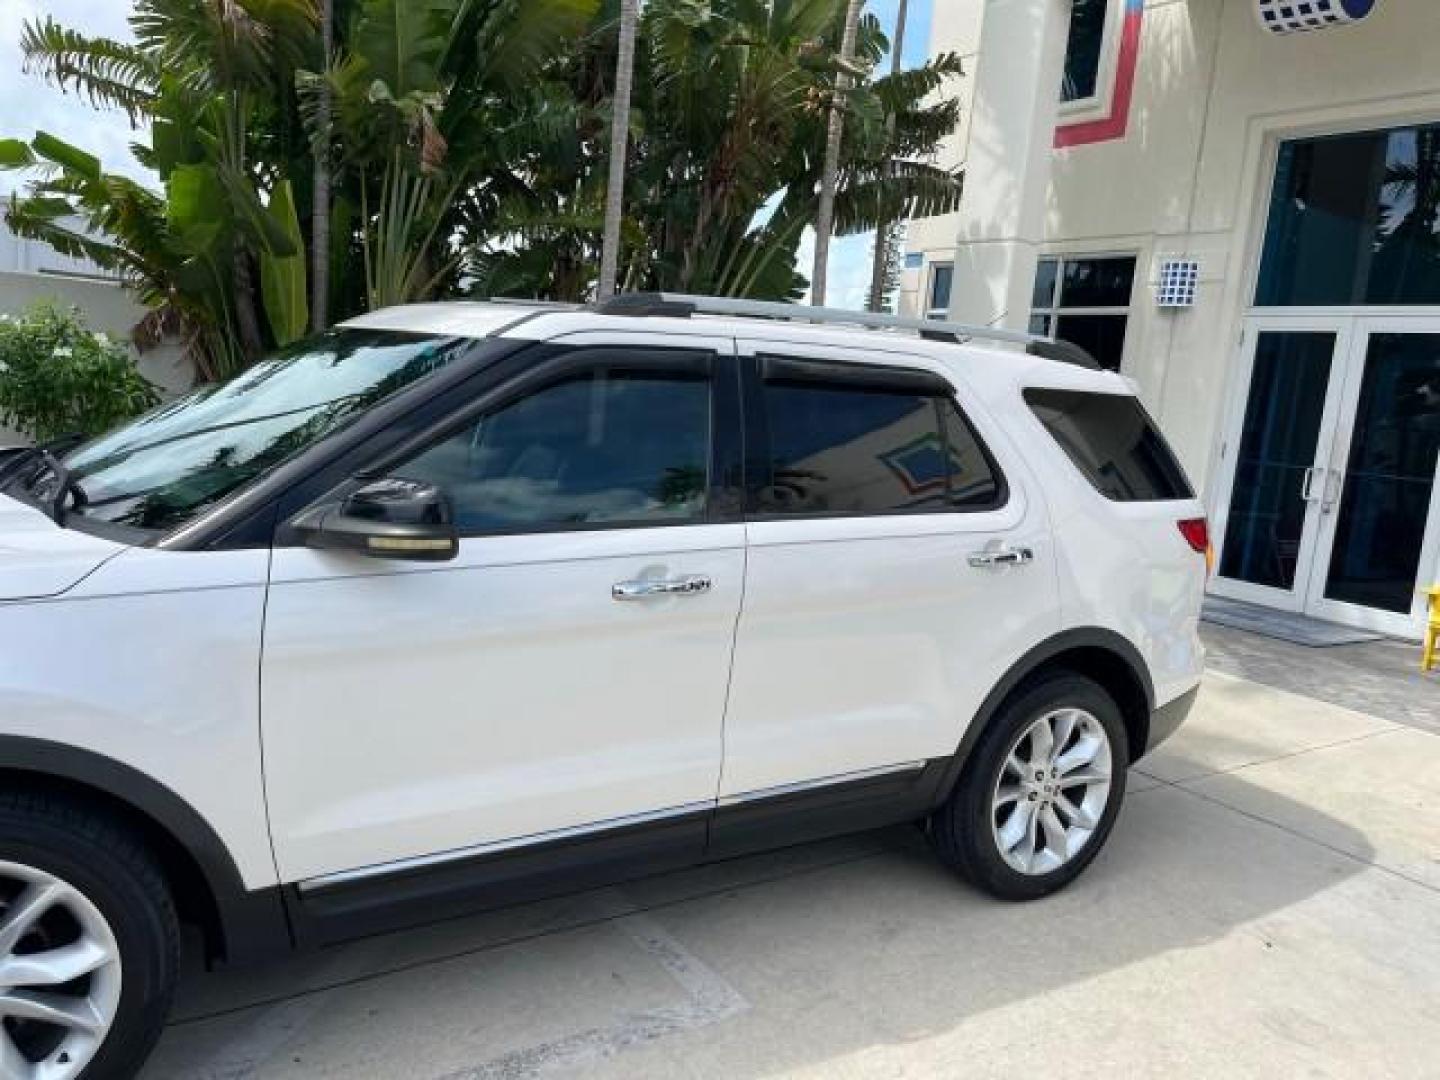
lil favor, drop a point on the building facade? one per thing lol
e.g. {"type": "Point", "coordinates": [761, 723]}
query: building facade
{"type": "Point", "coordinates": [1236, 203]}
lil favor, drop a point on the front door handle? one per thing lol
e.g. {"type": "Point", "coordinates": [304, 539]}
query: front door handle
{"type": "Point", "coordinates": [1002, 557]}
{"type": "Point", "coordinates": [654, 588]}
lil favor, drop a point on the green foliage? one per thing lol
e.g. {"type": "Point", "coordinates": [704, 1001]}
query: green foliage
{"type": "Point", "coordinates": [58, 378]}
{"type": "Point", "coordinates": [466, 144]}
{"type": "Point", "coordinates": [282, 277]}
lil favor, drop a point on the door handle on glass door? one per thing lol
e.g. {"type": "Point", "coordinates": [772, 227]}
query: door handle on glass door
{"type": "Point", "coordinates": [653, 588]}
{"type": "Point", "coordinates": [1002, 557]}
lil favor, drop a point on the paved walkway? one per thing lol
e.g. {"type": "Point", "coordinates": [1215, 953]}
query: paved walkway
{"type": "Point", "coordinates": [1268, 907]}
{"type": "Point", "coordinates": [1382, 678]}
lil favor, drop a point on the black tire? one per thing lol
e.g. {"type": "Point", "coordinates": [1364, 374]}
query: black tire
{"type": "Point", "coordinates": [962, 828]}
{"type": "Point", "coordinates": [106, 861]}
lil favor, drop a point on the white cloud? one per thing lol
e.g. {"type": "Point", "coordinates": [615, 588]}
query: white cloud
{"type": "Point", "coordinates": [28, 104]}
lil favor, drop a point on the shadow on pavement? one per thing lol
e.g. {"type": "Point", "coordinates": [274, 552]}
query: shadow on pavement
{"type": "Point", "coordinates": [787, 960]}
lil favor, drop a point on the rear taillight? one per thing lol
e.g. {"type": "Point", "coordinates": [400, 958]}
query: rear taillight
{"type": "Point", "coordinates": [1197, 534]}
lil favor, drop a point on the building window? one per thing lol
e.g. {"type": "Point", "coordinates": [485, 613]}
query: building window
{"type": "Point", "coordinates": [1084, 49]}
{"type": "Point", "coordinates": [1085, 301]}
{"type": "Point", "coordinates": [1354, 221]}
{"type": "Point", "coordinates": [938, 298]}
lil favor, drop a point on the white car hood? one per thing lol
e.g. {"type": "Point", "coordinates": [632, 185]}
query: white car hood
{"type": "Point", "coordinates": [39, 559]}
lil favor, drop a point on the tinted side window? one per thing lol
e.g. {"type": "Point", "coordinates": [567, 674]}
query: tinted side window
{"type": "Point", "coordinates": [1113, 441]}
{"type": "Point", "coordinates": [838, 449]}
{"type": "Point", "coordinates": [605, 447]}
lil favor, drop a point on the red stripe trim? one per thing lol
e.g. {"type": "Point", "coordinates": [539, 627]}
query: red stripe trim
{"type": "Point", "coordinates": [1113, 126]}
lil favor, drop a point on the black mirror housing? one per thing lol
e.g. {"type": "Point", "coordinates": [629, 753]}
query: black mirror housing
{"type": "Point", "coordinates": [385, 519]}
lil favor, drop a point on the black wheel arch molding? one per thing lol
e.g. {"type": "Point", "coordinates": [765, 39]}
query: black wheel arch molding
{"type": "Point", "coordinates": [241, 925]}
{"type": "Point", "coordinates": [1104, 655]}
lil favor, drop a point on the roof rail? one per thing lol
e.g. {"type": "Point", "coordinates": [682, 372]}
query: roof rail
{"type": "Point", "coordinates": [680, 305]}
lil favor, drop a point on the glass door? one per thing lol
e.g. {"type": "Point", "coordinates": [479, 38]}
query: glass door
{"type": "Point", "coordinates": [1378, 499]}
{"type": "Point", "coordinates": [1269, 510]}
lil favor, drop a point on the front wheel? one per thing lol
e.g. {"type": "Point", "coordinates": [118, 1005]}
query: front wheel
{"type": "Point", "coordinates": [1040, 792]}
{"type": "Point", "coordinates": [88, 943]}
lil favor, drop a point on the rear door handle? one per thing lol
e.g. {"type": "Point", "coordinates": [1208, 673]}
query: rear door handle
{"type": "Point", "coordinates": [1002, 557]}
{"type": "Point", "coordinates": [654, 588]}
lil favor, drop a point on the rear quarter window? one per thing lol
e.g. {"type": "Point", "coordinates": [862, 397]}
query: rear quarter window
{"type": "Point", "coordinates": [1113, 442]}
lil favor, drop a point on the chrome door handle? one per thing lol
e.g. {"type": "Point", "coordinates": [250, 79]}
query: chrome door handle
{"type": "Point", "coordinates": [651, 588]}
{"type": "Point", "coordinates": [1307, 485]}
{"type": "Point", "coordinates": [1002, 557]}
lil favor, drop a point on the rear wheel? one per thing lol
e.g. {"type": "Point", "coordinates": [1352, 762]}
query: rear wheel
{"type": "Point", "coordinates": [1040, 792]}
{"type": "Point", "coordinates": [89, 945]}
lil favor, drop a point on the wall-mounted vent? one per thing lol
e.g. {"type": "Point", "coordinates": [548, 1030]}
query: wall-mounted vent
{"type": "Point", "coordinates": [1179, 278]}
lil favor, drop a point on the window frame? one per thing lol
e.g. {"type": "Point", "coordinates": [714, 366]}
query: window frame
{"type": "Point", "coordinates": [561, 363]}
{"type": "Point", "coordinates": [1053, 312]}
{"type": "Point", "coordinates": [838, 374]}
{"type": "Point", "coordinates": [1096, 105]}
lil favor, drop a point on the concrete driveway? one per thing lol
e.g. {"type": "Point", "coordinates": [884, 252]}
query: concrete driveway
{"type": "Point", "coordinates": [1268, 906]}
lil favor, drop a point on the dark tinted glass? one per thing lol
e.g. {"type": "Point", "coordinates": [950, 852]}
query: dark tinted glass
{"type": "Point", "coordinates": [606, 448]}
{"type": "Point", "coordinates": [1097, 283]}
{"type": "Point", "coordinates": [1046, 272]}
{"type": "Point", "coordinates": [941, 276]}
{"type": "Point", "coordinates": [852, 451]}
{"type": "Point", "coordinates": [1102, 336]}
{"type": "Point", "coordinates": [1390, 476]}
{"type": "Point", "coordinates": [1082, 51]}
{"type": "Point", "coordinates": [1353, 220]}
{"type": "Point", "coordinates": [1277, 448]}
{"type": "Point", "coordinates": [1113, 442]}
{"type": "Point", "coordinates": [162, 469]}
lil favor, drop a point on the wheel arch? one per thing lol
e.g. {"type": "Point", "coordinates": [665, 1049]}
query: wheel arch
{"type": "Point", "coordinates": [1099, 654]}
{"type": "Point", "coordinates": [238, 924]}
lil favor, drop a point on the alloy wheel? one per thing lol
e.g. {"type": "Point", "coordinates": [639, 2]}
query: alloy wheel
{"type": "Point", "coordinates": [59, 976]}
{"type": "Point", "coordinates": [1052, 791]}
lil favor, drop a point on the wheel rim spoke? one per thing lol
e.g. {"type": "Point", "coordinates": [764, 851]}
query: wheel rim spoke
{"type": "Point", "coordinates": [60, 970]}
{"type": "Point", "coordinates": [1056, 840]}
{"type": "Point", "coordinates": [1013, 832]}
{"type": "Point", "coordinates": [1078, 813]}
{"type": "Point", "coordinates": [13, 1064]}
{"type": "Point", "coordinates": [1082, 753]}
{"type": "Point", "coordinates": [1052, 790]}
{"type": "Point", "coordinates": [25, 910]}
{"type": "Point", "coordinates": [54, 967]}
{"type": "Point", "coordinates": [78, 1014]}
{"type": "Point", "coordinates": [1042, 744]}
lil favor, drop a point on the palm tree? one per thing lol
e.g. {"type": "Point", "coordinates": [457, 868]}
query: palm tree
{"type": "Point", "coordinates": [825, 215]}
{"type": "Point", "coordinates": [320, 196]}
{"type": "Point", "coordinates": [619, 144]}
{"type": "Point", "coordinates": [884, 261]}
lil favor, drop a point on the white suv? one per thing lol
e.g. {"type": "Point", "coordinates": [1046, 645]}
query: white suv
{"type": "Point", "coordinates": [466, 603]}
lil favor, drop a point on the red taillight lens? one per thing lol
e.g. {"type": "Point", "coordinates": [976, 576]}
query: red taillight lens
{"type": "Point", "coordinates": [1197, 534]}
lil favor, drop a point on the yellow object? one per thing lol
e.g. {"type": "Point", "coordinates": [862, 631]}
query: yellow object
{"type": "Point", "coordinates": [1432, 629]}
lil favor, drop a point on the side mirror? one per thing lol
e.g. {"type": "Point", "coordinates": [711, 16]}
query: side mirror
{"type": "Point", "coordinates": [386, 519]}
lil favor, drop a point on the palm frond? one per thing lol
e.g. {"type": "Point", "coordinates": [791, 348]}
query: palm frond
{"type": "Point", "coordinates": [108, 74]}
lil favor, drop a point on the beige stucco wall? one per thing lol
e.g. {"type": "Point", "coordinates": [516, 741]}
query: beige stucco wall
{"type": "Point", "coordinates": [1214, 95]}
{"type": "Point", "coordinates": [106, 307]}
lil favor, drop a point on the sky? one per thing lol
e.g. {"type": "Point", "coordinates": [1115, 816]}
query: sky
{"type": "Point", "coordinates": [28, 105]}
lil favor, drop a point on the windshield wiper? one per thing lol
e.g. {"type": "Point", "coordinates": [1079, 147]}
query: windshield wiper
{"type": "Point", "coordinates": [63, 486]}
{"type": "Point", "coordinates": [14, 464]}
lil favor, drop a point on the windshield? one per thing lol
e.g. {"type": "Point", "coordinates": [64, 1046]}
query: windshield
{"type": "Point", "coordinates": [158, 471]}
